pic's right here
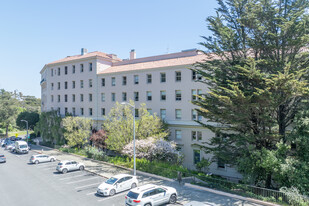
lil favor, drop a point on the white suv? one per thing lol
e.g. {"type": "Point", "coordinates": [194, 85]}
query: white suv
{"type": "Point", "coordinates": [36, 159]}
{"type": "Point", "coordinates": [116, 184]}
{"type": "Point", "coordinates": [69, 165]}
{"type": "Point", "coordinates": [151, 195]}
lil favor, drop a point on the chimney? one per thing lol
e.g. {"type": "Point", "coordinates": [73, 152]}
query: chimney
{"type": "Point", "coordinates": [132, 54]}
{"type": "Point", "coordinates": [84, 51]}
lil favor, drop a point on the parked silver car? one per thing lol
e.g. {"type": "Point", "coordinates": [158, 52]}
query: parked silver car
{"type": "Point", "coordinates": [36, 159]}
{"type": "Point", "coordinates": [116, 184]}
{"type": "Point", "coordinates": [151, 195]}
{"type": "Point", "coordinates": [69, 165]}
{"type": "Point", "coordinates": [2, 158]}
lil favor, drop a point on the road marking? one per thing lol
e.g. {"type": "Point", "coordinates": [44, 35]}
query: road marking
{"type": "Point", "coordinates": [71, 177]}
{"type": "Point", "coordinates": [46, 165]}
{"type": "Point", "coordinates": [82, 180]}
{"type": "Point", "coordinates": [92, 193]}
{"type": "Point", "coordinates": [109, 197]}
{"type": "Point", "coordinates": [86, 186]}
{"type": "Point", "coordinates": [49, 168]}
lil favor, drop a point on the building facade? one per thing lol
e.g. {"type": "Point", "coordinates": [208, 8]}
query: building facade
{"type": "Point", "coordinates": [90, 84]}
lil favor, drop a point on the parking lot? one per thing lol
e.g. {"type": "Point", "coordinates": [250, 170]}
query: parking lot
{"type": "Point", "coordinates": [29, 184]}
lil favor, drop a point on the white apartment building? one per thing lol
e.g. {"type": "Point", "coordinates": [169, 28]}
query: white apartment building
{"type": "Point", "coordinates": [90, 84]}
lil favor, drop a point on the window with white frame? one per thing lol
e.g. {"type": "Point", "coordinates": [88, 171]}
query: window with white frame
{"type": "Point", "coordinates": [81, 84]}
{"type": "Point", "coordinates": [196, 156]}
{"type": "Point", "coordinates": [58, 98]}
{"type": "Point", "coordinates": [52, 86]}
{"type": "Point", "coordinates": [162, 77]}
{"type": "Point", "coordinates": [113, 81]}
{"type": "Point", "coordinates": [73, 111]}
{"type": "Point", "coordinates": [102, 111]}
{"type": "Point", "coordinates": [149, 78]}
{"type": "Point", "coordinates": [178, 114]}
{"type": "Point", "coordinates": [65, 98]}
{"type": "Point", "coordinates": [124, 80]}
{"type": "Point", "coordinates": [65, 70]}
{"type": "Point", "coordinates": [194, 114]}
{"type": "Point", "coordinates": [58, 71]}
{"type": "Point", "coordinates": [149, 95]}
{"type": "Point", "coordinates": [136, 79]}
{"type": "Point", "coordinates": [136, 96]}
{"type": "Point", "coordinates": [196, 76]}
{"type": "Point", "coordinates": [73, 97]}
{"type": "Point", "coordinates": [178, 76]}
{"type": "Point", "coordinates": [81, 97]}
{"type": "Point", "coordinates": [178, 134]}
{"type": "Point", "coordinates": [58, 85]}
{"type": "Point", "coordinates": [81, 111]}
{"type": "Point", "coordinates": [113, 97]}
{"type": "Point", "coordinates": [102, 97]}
{"type": "Point", "coordinates": [196, 136]}
{"type": "Point", "coordinates": [136, 113]}
{"type": "Point", "coordinates": [90, 97]}
{"type": "Point", "coordinates": [90, 67]}
{"type": "Point", "coordinates": [65, 110]}
{"type": "Point", "coordinates": [52, 72]}
{"type": "Point", "coordinates": [73, 69]}
{"type": "Point", "coordinates": [178, 95]}
{"type": "Point", "coordinates": [90, 111]}
{"type": "Point", "coordinates": [103, 82]}
{"type": "Point", "coordinates": [73, 84]}
{"type": "Point", "coordinates": [52, 98]}
{"type": "Point", "coordinates": [81, 68]}
{"type": "Point", "coordinates": [163, 113]}
{"type": "Point", "coordinates": [163, 95]}
{"type": "Point", "coordinates": [90, 83]}
{"type": "Point", "coordinates": [199, 93]}
{"type": "Point", "coordinates": [193, 94]}
{"type": "Point", "coordinates": [124, 96]}
{"type": "Point", "coordinates": [65, 85]}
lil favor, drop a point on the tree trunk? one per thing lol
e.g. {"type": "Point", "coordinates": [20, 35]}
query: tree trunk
{"type": "Point", "coordinates": [281, 122]}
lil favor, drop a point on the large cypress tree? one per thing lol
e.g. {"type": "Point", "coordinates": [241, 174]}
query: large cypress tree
{"type": "Point", "coordinates": [257, 78]}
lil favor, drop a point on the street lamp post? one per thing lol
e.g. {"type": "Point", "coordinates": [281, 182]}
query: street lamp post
{"type": "Point", "coordinates": [134, 156]}
{"type": "Point", "coordinates": [26, 126]}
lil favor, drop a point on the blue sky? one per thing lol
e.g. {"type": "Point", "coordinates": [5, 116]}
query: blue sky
{"type": "Point", "coordinates": [34, 33]}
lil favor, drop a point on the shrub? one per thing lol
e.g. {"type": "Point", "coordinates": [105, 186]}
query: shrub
{"type": "Point", "coordinates": [95, 153]}
{"type": "Point", "coordinates": [294, 197]}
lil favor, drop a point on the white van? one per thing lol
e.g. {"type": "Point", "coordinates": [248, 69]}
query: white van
{"type": "Point", "coordinates": [21, 147]}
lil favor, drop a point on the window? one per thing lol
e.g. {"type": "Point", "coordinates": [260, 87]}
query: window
{"type": "Point", "coordinates": [65, 70]}
{"type": "Point", "coordinates": [136, 79]}
{"type": "Point", "coordinates": [136, 96]}
{"type": "Point", "coordinates": [65, 98]}
{"type": "Point", "coordinates": [124, 96]}
{"type": "Point", "coordinates": [149, 78]}
{"type": "Point", "coordinates": [103, 82]}
{"type": "Point", "coordinates": [90, 111]}
{"type": "Point", "coordinates": [196, 76]}
{"type": "Point", "coordinates": [178, 76]}
{"type": "Point", "coordinates": [73, 69]}
{"type": "Point", "coordinates": [196, 156]}
{"type": "Point", "coordinates": [81, 68]}
{"type": "Point", "coordinates": [124, 80]}
{"type": "Point", "coordinates": [113, 97]}
{"type": "Point", "coordinates": [178, 95]}
{"type": "Point", "coordinates": [90, 83]}
{"type": "Point", "coordinates": [199, 93]}
{"type": "Point", "coordinates": [73, 84]}
{"type": "Point", "coordinates": [58, 85]}
{"type": "Point", "coordinates": [52, 72]}
{"type": "Point", "coordinates": [58, 71]}
{"type": "Point", "coordinates": [81, 97]}
{"type": "Point", "coordinates": [58, 98]}
{"type": "Point", "coordinates": [194, 114]}
{"type": "Point", "coordinates": [58, 110]}
{"type": "Point", "coordinates": [196, 135]}
{"type": "Point", "coordinates": [163, 95]}
{"type": "Point", "coordinates": [102, 111]}
{"type": "Point", "coordinates": [221, 163]}
{"type": "Point", "coordinates": [150, 111]}
{"type": "Point", "coordinates": [90, 67]}
{"type": "Point", "coordinates": [102, 97]}
{"type": "Point", "coordinates": [162, 113]}
{"type": "Point", "coordinates": [113, 81]}
{"type": "Point", "coordinates": [90, 97]}
{"type": "Point", "coordinates": [193, 94]}
{"type": "Point", "coordinates": [73, 111]}
{"type": "Point", "coordinates": [52, 98]}
{"type": "Point", "coordinates": [65, 85]}
{"type": "Point", "coordinates": [178, 113]}
{"type": "Point", "coordinates": [73, 97]}
{"type": "Point", "coordinates": [81, 84]}
{"type": "Point", "coordinates": [65, 110]}
{"type": "Point", "coordinates": [163, 77]}
{"type": "Point", "coordinates": [52, 86]}
{"type": "Point", "coordinates": [149, 96]}
{"type": "Point", "coordinates": [136, 113]}
{"type": "Point", "coordinates": [177, 134]}
{"type": "Point", "coordinates": [81, 111]}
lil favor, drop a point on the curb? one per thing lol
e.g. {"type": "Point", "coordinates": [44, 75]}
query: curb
{"type": "Point", "coordinates": [171, 180]}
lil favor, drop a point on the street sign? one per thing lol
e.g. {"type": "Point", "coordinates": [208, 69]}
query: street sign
{"type": "Point", "coordinates": [29, 136]}
{"type": "Point", "coordinates": [16, 135]}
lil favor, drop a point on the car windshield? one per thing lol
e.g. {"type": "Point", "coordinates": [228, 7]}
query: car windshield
{"type": "Point", "coordinates": [133, 195]}
{"type": "Point", "coordinates": [60, 163]}
{"type": "Point", "coordinates": [1, 155]}
{"type": "Point", "coordinates": [111, 181]}
{"type": "Point", "coordinates": [23, 146]}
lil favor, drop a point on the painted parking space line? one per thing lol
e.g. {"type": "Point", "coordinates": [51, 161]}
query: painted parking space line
{"type": "Point", "coordinates": [83, 180]}
{"type": "Point", "coordinates": [45, 165]}
{"type": "Point", "coordinates": [110, 197]}
{"type": "Point", "coordinates": [66, 178]}
{"type": "Point", "coordinates": [87, 186]}
{"type": "Point", "coordinates": [91, 193]}
{"type": "Point", "coordinates": [67, 174]}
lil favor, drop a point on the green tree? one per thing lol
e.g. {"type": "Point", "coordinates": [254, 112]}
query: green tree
{"type": "Point", "coordinates": [256, 73]}
{"type": "Point", "coordinates": [77, 130]}
{"type": "Point", "coordinates": [8, 109]}
{"type": "Point", "coordinates": [50, 127]}
{"type": "Point", "coordinates": [31, 117]}
{"type": "Point", "coordinates": [119, 126]}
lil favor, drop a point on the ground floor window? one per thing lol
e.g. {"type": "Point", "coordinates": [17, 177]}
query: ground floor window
{"type": "Point", "coordinates": [196, 156]}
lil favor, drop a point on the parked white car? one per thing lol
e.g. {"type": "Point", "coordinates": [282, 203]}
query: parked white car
{"type": "Point", "coordinates": [151, 195]}
{"type": "Point", "coordinates": [69, 165]}
{"type": "Point", "coordinates": [117, 184]}
{"type": "Point", "coordinates": [36, 159]}
{"type": "Point", "coordinates": [21, 147]}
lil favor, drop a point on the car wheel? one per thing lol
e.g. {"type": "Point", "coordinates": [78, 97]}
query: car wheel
{"type": "Point", "coordinates": [81, 168]}
{"type": "Point", "coordinates": [52, 159]}
{"type": "Point", "coordinates": [112, 192]}
{"type": "Point", "coordinates": [64, 171]}
{"type": "Point", "coordinates": [133, 185]}
{"type": "Point", "coordinates": [148, 204]}
{"type": "Point", "coordinates": [36, 162]}
{"type": "Point", "coordinates": [173, 199]}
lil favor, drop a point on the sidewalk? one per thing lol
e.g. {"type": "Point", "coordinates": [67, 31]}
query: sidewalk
{"type": "Point", "coordinates": [108, 170]}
